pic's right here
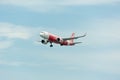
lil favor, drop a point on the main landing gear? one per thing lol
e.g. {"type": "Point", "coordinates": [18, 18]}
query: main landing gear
{"type": "Point", "coordinates": [51, 45]}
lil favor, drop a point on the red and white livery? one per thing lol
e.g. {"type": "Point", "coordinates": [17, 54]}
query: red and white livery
{"type": "Point", "coordinates": [51, 38]}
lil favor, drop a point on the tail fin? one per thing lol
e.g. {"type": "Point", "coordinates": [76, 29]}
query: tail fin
{"type": "Point", "coordinates": [72, 36]}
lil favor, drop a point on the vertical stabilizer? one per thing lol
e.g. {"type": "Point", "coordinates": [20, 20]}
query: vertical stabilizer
{"type": "Point", "coordinates": [72, 36]}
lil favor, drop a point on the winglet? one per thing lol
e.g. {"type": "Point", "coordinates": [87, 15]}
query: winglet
{"type": "Point", "coordinates": [83, 35]}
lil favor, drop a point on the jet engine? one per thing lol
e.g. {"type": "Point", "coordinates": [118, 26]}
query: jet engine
{"type": "Point", "coordinates": [44, 41]}
{"type": "Point", "coordinates": [59, 40]}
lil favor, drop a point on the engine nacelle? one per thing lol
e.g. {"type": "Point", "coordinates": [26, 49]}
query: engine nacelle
{"type": "Point", "coordinates": [59, 40]}
{"type": "Point", "coordinates": [44, 41]}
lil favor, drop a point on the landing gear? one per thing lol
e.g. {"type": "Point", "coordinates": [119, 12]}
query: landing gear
{"type": "Point", "coordinates": [61, 44]}
{"type": "Point", "coordinates": [51, 44]}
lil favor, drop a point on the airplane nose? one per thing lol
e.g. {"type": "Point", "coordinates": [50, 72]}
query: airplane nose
{"type": "Point", "coordinates": [44, 35]}
{"type": "Point", "coordinates": [41, 34]}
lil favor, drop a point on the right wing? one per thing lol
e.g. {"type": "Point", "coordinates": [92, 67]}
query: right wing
{"type": "Point", "coordinates": [74, 37]}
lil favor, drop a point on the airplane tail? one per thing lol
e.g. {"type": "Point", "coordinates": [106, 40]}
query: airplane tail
{"type": "Point", "coordinates": [72, 36]}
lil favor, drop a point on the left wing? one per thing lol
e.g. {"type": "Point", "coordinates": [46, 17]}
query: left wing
{"type": "Point", "coordinates": [74, 37]}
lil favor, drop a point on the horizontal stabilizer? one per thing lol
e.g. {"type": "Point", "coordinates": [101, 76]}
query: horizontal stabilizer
{"type": "Point", "coordinates": [77, 43]}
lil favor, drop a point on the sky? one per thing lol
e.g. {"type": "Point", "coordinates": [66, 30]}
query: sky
{"type": "Point", "coordinates": [23, 58]}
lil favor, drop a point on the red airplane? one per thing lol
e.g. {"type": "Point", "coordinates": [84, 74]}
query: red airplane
{"type": "Point", "coordinates": [48, 37]}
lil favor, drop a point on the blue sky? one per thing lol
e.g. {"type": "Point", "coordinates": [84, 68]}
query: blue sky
{"type": "Point", "coordinates": [22, 58]}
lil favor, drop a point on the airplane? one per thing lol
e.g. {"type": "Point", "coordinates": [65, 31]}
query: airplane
{"type": "Point", "coordinates": [51, 38]}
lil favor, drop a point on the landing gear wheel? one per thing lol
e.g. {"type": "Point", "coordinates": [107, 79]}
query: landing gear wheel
{"type": "Point", "coordinates": [61, 44]}
{"type": "Point", "coordinates": [51, 45]}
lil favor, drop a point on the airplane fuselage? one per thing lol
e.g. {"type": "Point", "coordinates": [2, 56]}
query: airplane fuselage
{"type": "Point", "coordinates": [55, 39]}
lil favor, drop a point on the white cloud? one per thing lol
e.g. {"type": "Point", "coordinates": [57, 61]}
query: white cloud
{"type": "Point", "coordinates": [10, 63]}
{"type": "Point", "coordinates": [55, 2]}
{"type": "Point", "coordinates": [88, 2]}
{"type": "Point", "coordinates": [46, 5]}
{"type": "Point", "coordinates": [10, 32]}
{"type": "Point", "coordinates": [5, 44]}
{"type": "Point", "coordinates": [17, 63]}
{"type": "Point", "coordinates": [14, 31]}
